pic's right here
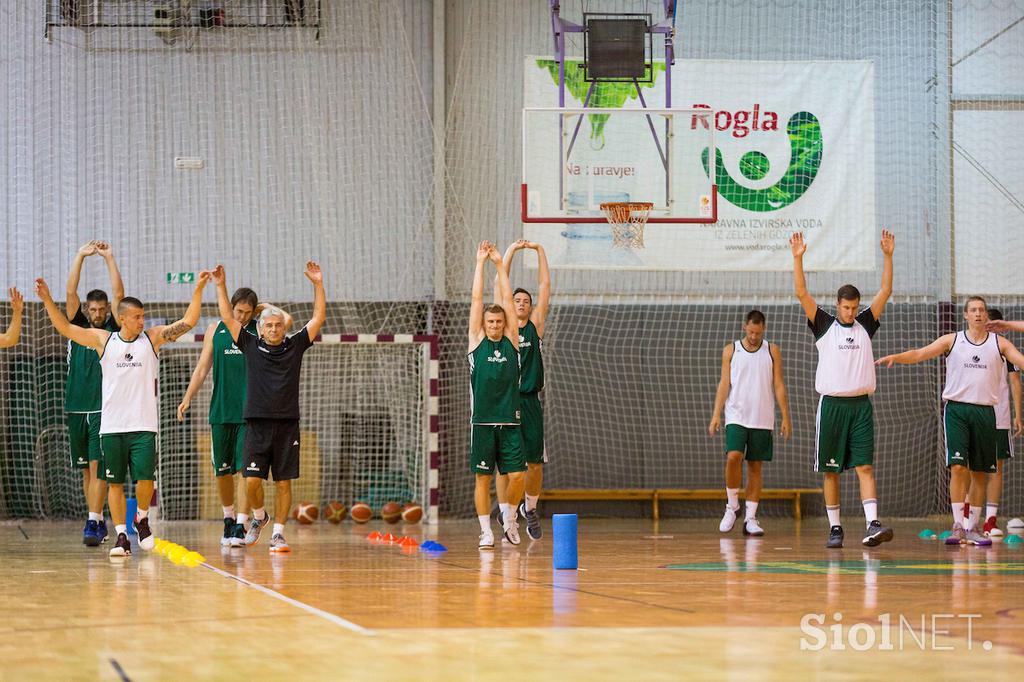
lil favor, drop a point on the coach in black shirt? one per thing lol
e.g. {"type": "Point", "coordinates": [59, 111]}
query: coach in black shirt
{"type": "Point", "coordinates": [273, 362]}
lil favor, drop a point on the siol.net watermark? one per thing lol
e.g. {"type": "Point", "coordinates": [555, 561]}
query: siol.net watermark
{"type": "Point", "coordinates": [891, 632]}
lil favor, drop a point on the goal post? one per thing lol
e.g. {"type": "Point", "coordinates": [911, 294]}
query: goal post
{"type": "Point", "coordinates": [369, 426]}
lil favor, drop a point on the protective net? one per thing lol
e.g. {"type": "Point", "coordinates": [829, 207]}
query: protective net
{"type": "Point", "coordinates": [260, 134]}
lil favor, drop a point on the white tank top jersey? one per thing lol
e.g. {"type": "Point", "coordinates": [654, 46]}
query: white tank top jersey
{"type": "Point", "coordinates": [974, 373]}
{"type": "Point", "coordinates": [1003, 420]}
{"type": "Point", "coordinates": [751, 400]}
{"type": "Point", "coordinates": [130, 392]}
{"type": "Point", "coordinates": [846, 362]}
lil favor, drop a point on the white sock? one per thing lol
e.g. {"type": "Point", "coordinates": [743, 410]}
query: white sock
{"type": "Point", "coordinates": [734, 497]}
{"type": "Point", "coordinates": [259, 514]}
{"type": "Point", "coordinates": [972, 520]}
{"type": "Point", "coordinates": [990, 510]}
{"type": "Point", "coordinates": [870, 510]}
{"type": "Point", "coordinates": [485, 522]}
{"type": "Point", "coordinates": [958, 512]}
{"type": "Point", "coordinates": [531, 502]}
{"type": "Point", "coordinates": [833, 515]}
{"type": "Point", "coordinates": [751, 511]}
{"type": "Point", "coordinates": [229, 512]}
{"type": "Point", "coordinates": [143, 513]}
{"type": "Point", "coordinates": [93, 516]}
{"type": "Point", "coordinates": [278, 529]}
{"type": "Point", "coordinates": [120, 528]}
{"type": "Point", "coordinates": [513, 514]}
{"type": "Point", "coordinates": [242, 518]}
{"type": "Point", "coordinates": [505, 508]}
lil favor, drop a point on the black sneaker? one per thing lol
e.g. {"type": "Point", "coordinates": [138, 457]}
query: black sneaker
{"type": "Point", "coordinates": [533, 524]}
{"type": "Point", "coordinates": [101, 526]}
{"type": "Point", "coordinates": [835, 538]}
{"type": "Point", "coordinates": [91, 535]}
{"type": "Point", "coordinates": [238, 536]}
{"type": "Point", "coordinates": [146, 539]}
{"type": "Point", "coordinates": [877, 534]}
{"type": "Point", "coordinates": [122, 547]}
{"type": "Point", "coordinates": [229, 531]}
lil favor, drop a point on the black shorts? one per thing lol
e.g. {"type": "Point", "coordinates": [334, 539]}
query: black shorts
{"type": "Point", "coordinates": [271, 445]}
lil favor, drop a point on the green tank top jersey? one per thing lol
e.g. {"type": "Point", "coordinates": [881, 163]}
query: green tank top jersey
{"type": "Point", "coordinates": [83, 391]}
{"type": "Point", "coordinates": [229, 377]}
{"type": "Point", "coordinates": [531, 363]}
{"type": "Point", "coordinates": [494, 382]}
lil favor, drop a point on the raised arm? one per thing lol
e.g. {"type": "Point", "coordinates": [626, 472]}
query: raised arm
{"type": "Point", "coordinates": [722, 393]}
{"type": "Point", "coordinates": [882, 297]}
{"type": "Point", "coordinates": [163, 333]}
{"type": "Point", "coordinates": [224, 302]}
{"type": "Point", "coordinates": [13, 333]}
{"type": "Point", "coordinates": [540, 310]}
{"type": "Point", "coordinates": [799, 247]}
{"type": "Point", "coordinates": [316, 276]}
{"type": "Point", "coordinates": [91, 338]}
{"type": "Point", "coordinates": [1015, 396]}
{"type": "Point", "coordinates": [116, 285]}
{"type": "Point", "coordinates": [781, 397]}
{"type": "Point", "coordinates": [939, 346]}
{"type": "Point", "coordinates": [200, 372]}
{"type": "Point", "coordinates": [506, 262]}
{"type": "Point", "coordinates": [1010, 352]}
{"type": "Point", "coordinates": [476, 306]}
{"type": "Point", "coordinates": [505, 287]}
{"type": "Point", "coordinates": [72, 303]}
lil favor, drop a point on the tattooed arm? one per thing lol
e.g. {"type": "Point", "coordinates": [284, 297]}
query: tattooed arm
{"type": "Point", "coordinates": [161, 334]}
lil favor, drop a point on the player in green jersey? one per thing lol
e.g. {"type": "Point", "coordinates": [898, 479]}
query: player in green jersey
{"type": "Point", "coordinates": [82, 396]}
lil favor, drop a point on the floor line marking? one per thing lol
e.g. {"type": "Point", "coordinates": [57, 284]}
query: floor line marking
{"type": "Point", "coordinates": [119, 670]}
{"type": "Point", "coordinates": [337, 620]}
{"type": "Point", "coordinates": [23, 531]}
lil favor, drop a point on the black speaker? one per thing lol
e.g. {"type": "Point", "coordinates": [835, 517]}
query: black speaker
{"type": "Point", "coordinates": [615, 49]}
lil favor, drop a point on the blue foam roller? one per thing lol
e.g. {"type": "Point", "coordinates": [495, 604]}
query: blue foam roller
{"type": "Point", "coordinates": [129, 517]}
{"type": "Point", "coordinates": [564, 555]}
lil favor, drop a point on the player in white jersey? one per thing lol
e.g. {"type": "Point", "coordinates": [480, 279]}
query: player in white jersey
{"type": "Point", "coordinates": [1004, 443]}
{"type": "Point", "coordinates": [975, 368]}
{"type": "Point", "coordinates": [131, 399]}
{"type": "Point", "coordinates": [845, 379]}
{"type": "Point", "coordinates": [751, 384]}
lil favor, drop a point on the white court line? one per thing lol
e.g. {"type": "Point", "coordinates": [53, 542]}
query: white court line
{"type": "Point", "coordinates": [337, 620]}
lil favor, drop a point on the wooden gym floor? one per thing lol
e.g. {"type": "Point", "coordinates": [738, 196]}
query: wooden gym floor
{"type": "Point", "coordinates": [665, 601]}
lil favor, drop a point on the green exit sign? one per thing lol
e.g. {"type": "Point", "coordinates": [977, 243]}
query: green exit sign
{"type": "Point", "coordinates": [181, 277]}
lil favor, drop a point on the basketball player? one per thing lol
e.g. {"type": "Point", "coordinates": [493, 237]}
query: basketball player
{"type": "Point", "coordinates": [752, 381]}
{"type": "Point", "coordinates": [131, 400]}
{"type": "Point", "coordinates": [227, 427]}
{"type": "Point", "coordinates": [273, 363]}
{"type": "Point", "coordinates": [495, 439]}
{"type": "Point", "coordinates": [975, 380]}
{"type": "Point", "coordinates": [530, 320]}
{"type": "Point", "coordinates": [1004, 442]}
{"type": "Point", "coordinates": [83, 393]}
{"type": "Point", "coordinates": [845, 379]}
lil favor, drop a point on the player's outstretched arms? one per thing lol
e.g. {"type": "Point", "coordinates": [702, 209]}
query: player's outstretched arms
{"type": "Point", "coordinates": [540, 311]}
{"type": "Point", "coordinates": [316, 276]}
{"type": "Point", "coordinates": [1003, 326]}
{"type": "Point", "coordinates": [506, 262]}
{"type": "Point", "coordinates": [163, 333]}
{"type": "Point", "coordinates": [505, 287]}
{"type": "Point", "coordinates": [1010, 352]}
{"type": "Point", "coordinates": [90, 338]}
{"type": "Point", "coordinates": [939, 346]}
{"type": "Point", "coordinates": [722, 392]}
{"type": "Point", "coordinates": [72, 303]}
{"type": "Point", "coordinates": [798, 247]}
{"type": "Point", "coordinates": [199, 373]}
{"type": "Point", "coordinates": [888, 245]}
{"type": "Point", "coordinates": [476, 307]}
{"type": "Point", "coordinates": [219, 280]}
{"type": "Point", "coordinates": [116, 285]}
{"type": "Point", "coordinates": [13, 333]}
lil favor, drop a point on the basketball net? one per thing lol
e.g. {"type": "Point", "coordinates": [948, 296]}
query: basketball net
{"type": "Point", "coordinates": [627, 219]}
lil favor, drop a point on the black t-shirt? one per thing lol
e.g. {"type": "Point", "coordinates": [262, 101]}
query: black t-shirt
{"type": "Point", "coordinates": [273, 375]}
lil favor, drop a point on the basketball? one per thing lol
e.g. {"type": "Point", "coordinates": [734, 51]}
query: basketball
{"type": "Point", "coordinates": [305, 512]}
{"type": "Point", "coordinates": [361, 512]}
{"type": "Point", "coordinates": [335, 512]}
{"type": "Point", "coordinates": [391, 512]}
{"type": "Point", "coordinates": [412, 513]}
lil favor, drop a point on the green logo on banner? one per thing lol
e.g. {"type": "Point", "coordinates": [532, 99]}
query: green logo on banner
{"type": "Point", "coordinates": [181, 277]}
{"type": "Point", "coordinates": [804, 133]}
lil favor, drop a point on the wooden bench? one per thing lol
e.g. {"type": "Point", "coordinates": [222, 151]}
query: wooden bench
{"type": "Point", "coordinates": [655, 495]}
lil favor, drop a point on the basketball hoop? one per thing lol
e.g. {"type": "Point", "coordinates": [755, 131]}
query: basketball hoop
{"type": "Point", "coordinates": [627, 219]}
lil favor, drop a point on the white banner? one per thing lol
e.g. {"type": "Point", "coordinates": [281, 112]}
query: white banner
{"type": "Point", "coordinates": [795, 143]}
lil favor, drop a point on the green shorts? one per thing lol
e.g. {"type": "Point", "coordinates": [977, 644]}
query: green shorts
{"type": "Point", "coordinates": [84, 435]}
{"type": "Point", "coordinates": [755, 444]}
{"type": "Point", "coordinates": [532, 428]}
{"type": "Point", "coordinates": [970, 435]}
{"type": "Point", "coordinates": [135, 450]}
{"type": "Point", "coordinates": [845, 433]}
{"type": "Point", "coordinates": [1004, 444]}
{"type": "Point", "coordinates": [496, 448]}
{"type": "Point", "coordinates": [227, 451]}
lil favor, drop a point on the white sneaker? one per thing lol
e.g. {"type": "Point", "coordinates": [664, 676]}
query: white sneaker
{"type": "Point", "coordinates": [512, 533]}
{"type": "Point", "coordinates": [486, 540]}
{"type": "Point", "coordinates": [752, 527]}
{"type": "Point", "coordinates": [729, 520]}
